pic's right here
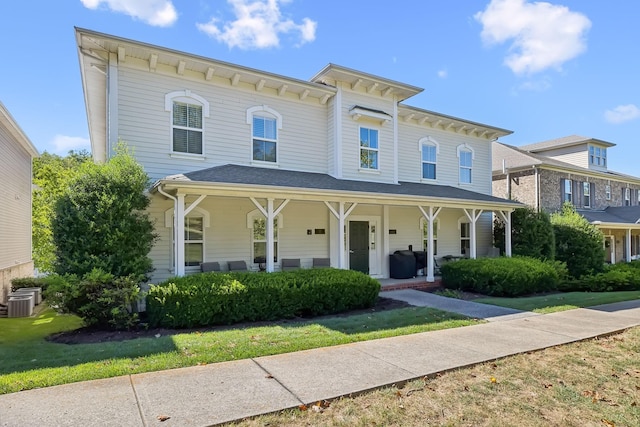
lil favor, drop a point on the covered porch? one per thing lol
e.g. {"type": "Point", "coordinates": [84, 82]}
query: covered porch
{"type": "Point", "coordinates": [262, 216]}
{"type": "Point", "coordinates": [621, 229]}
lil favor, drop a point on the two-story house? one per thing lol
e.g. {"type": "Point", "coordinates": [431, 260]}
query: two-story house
{"type": "Point", "coordinates": [16, 155]}
{"type": "Point", "coordinates": [573, 169]}
{"type": "Point", "coordinates": [257, 167]}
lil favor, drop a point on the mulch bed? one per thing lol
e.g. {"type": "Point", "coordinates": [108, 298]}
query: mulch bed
{"type": "Point", "coordinates": [92, 335]}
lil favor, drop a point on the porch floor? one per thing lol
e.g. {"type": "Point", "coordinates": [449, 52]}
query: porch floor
{"type": "Point", "coordinates": [418, 282]}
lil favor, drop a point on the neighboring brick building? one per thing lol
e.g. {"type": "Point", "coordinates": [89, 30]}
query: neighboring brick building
{"type": "Point", "coordinates": [574, 169]}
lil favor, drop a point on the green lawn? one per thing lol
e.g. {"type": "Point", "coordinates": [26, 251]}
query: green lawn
{"type": "Point", "coordinates": [561, 301]}
{"type": "Point", "coordinates": [29, 361]}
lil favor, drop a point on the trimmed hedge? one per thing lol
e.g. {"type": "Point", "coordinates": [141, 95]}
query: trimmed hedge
{"type": "Point", "coordinates": [225, 298]}
{"type": "Point", "coordinates": [29, 282]}
{"type": "Point", "coordinates": [503, 276]}
{"type": "Point", "coordinates": [617, 277]}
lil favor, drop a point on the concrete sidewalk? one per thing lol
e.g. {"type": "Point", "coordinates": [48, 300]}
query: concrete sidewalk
{"type": "Point", "coordinates": [217, 393]}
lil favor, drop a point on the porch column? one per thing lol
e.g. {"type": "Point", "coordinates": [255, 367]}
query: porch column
{"type": "Point", "coordinates": [269, 214]}
{"type": "Point", "coordinates": [506, 217]}
{"type": "Point", "coordinates": [179, 240]}
{"type": "Point", "coordinates": [472, 215]}
{"type": "Point", "coordinates": [628, 245]}
{"type": "Point", "coordinates": [341, 215]}
{"type": "Point", "coordinates": [430, 217]}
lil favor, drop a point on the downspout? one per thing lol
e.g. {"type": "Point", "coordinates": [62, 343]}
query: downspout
{"type": "Point", "coordinates": [175, 228]}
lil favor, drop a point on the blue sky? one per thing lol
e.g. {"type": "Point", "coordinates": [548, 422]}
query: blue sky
{"type": "Point", "coordinates": [543, 70]}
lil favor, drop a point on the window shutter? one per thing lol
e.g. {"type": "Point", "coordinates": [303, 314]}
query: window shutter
{"type": "Point", "coordinates": [562, 193]}
{"type": "Point", "coordinates": [577, 193]}
{"type": "Point", "coordinates": [592, 198]}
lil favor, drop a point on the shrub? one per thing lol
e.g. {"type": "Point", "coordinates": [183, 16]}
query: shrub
{"type": "Point", "coordinates": [502, 276]}
{"type": "Point", "coordinates": [221, 298]}
{"type": "Point", "coordinates": [578, 242]}
{"type": "Point", "coordinates": [99, 298]}
{"type": "Point", "coordinates": [531, 234]}
{"type": "Point", "coordinates": [617, 277]}
{"type": "Point", "coordinates": [100, 221]}
{"type": "Point", "coordinates": [29, 282]}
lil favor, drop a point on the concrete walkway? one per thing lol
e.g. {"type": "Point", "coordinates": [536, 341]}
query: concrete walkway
{"type": "Point", "coordinates": [221, 392]}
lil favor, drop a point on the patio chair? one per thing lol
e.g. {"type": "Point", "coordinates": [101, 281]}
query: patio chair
{"type": "Point", "coordinates": [321, 263]}
{"type": "Point", "coordinates": [287, 264]}
{"type": "Point", "coordinates": [237, 266]}
{"type": "Point", "coordinates": [209, 266]}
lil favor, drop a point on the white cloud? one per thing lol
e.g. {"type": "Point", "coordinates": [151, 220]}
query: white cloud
{"type": "Point", "coordinates": [62, 144]}
{"type": "Point", "coordinates": [542, 35]}
{"type": "Point", "coordinates": [622, 113]}
{"type": "Point", "coordinates": [258, 24]}
{"type": "Point", "coordinates": [443, 74]}
{"type": "Point", "coordinates": [159, 13]}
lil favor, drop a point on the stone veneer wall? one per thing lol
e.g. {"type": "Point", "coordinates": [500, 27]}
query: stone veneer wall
{"type": "Point", "coordinates": [6, 274]}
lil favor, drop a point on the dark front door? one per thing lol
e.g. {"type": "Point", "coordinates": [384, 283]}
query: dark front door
{"type": "Point", "coordinates": [359, 246]}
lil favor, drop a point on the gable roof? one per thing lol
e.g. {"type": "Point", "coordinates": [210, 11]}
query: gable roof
{"type": "Point", "coordinates": [566, 141]}
{"type": "Point", "coordinates": [9, 123]}
{"type": "Point", "coordinates": [286, 179]}
{"type": "Point", "coordinates": [516, 158]}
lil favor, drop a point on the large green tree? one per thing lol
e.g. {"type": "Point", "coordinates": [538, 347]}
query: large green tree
{"type": "Point", "coordinates": [578, 242]}
{"type": "Point", "coordinates": [100, 221]}
{"type": "Point", "coordinates": [532, 234]}
{"type": "Point", "coordinates": [51, 177]}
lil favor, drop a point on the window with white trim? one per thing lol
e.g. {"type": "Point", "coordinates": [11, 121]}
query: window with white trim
{"type": "Point", "coordinates": [188, 111]}
{"type": "Point", "coordinates": [465, 162]}
{"type": "Point", "coordinates": [567, 191]}
{"type": "Point", "coordinates": [638, 198]}
{"type": "Point", "coordinates": [368, 148]}
{"type": "Point", "coordinates": [429, 149]}
{"type": "Point", "coordinates": [627, 196]}
{"type": "Point", "coordinates": [597, 156]}
{"type": "Point", "coordinates": [607, 192]}
{"type": "Point", "coordinates": [586, 194]}
{"type": "Point", "coordinates": [465, 238]}
{"type": "Point", "coordinates": [193, 241]}
{"type": "Point", "coordinates": [265, 138]}
{"type": "Point", "coordinates": [259, 239]}
{"type": "Point", "coordinates": [425, 235]}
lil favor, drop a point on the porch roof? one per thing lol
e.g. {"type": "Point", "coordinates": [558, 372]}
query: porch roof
{"type": "Point", "coordinates": [287, 179]}
{"type": "Point", "coordinates": [614, 215]}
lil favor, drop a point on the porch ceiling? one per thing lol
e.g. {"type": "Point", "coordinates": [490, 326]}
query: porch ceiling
{"type": "Point", "coordinates": [235, 179]}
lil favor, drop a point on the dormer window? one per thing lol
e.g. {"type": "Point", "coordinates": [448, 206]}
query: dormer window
{"type": "Point", "coordinates": [597, 156]}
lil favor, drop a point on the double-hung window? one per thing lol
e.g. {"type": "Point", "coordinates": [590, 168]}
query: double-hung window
{"type": "Point", "coordinates": [586, 194]}
{"type": "Point", "coordinates": [187, 128]}
{"type": "Point", "coordinates": [368, 148]}
{"type": "Point", "coordinates": [607, 191]}
{"type": "Point", "coordinates": [627, 196]}
{"type": "Point", "coordinates": [429, 157]}
{"type": "Point", "coordinates": [465, 238]}
{"type": "Point", "coordinates": [259, 239]}
{"type": "Point", "coordinates": [425, 236]}
{"type": "Point", "coordinates": [466, 166]}
{"type": "Point", "coordinates": [265, 138]}
{"type": "Point", "coordinates": [598, 156]}
{"type": "Point", "coordinates": [193, 241]}
{"type": "Point", "coordinates": [567, 191]}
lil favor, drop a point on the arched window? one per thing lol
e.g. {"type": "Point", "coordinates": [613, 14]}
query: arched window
{"type": "Point", "coordinates": [265, 123]}
{"type": "Point", "coordinates": [465, 162]}
{"type": "Point", "coordinates": [429, 149]}
{"type": "Point", "coordinates": [187, 121]}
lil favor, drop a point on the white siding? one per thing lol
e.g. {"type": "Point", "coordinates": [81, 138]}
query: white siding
{"type": "Point", "coordinates": [15, 202]}
{"type": "Point", "coordinates": [576, 155]}
{"type": "Point", "coordinates": [145, 125]}
{"type": "Point", "coordinates": [447, 172]}
{"type": "Point", "coordinates": [351, 137]}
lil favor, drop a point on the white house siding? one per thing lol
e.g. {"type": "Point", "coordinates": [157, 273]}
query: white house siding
{"type": "Point", "coordinates": [145, 125]}
{"type": "Point", "coordinates": [15, 212]}
{"type": "Point", "coordinates": [351, 136]}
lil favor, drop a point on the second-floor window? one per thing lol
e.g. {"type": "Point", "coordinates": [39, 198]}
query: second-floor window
{"type": "Point", "coordinates": [466, 165]}
{"type": "Point", "coordinates": [368, 148]}
{"type": "Point", "coordinates": [567, 191]}
{"type": "Point", "coordinates": [265, 138]}
{"type": "Point", "coordinates": [187, 128]}
{"type": "Point", "coordinates": [627, 196]}
{"type": "Point", "coordinates": [429, 153]}
{"type": "Point", "coordinates": [607, 192]}
{"type": "Point", "coordinates": [586, 194]}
